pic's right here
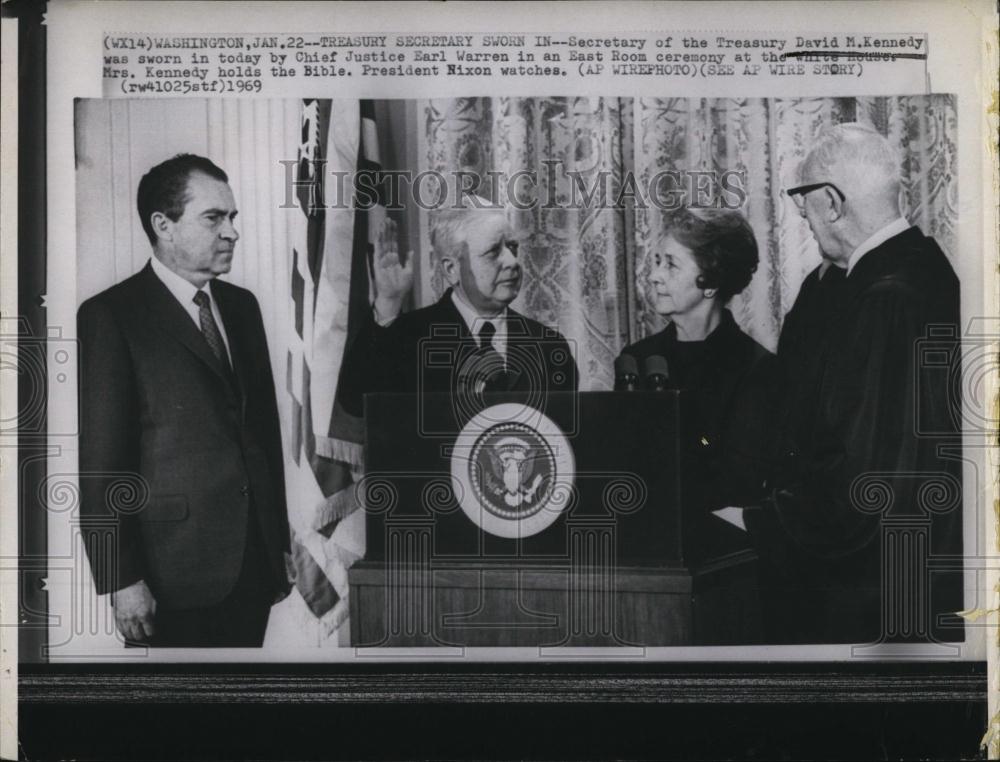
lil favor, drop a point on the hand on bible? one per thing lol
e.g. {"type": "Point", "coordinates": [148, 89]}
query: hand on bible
{"type": "Point", "coordinates": [393, 278]}
{"type": "Point", "coordinates": [134, 611]}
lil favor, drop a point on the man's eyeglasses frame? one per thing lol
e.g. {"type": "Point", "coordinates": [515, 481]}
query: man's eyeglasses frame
{"type": "Point", "coordinates": [797, 194]}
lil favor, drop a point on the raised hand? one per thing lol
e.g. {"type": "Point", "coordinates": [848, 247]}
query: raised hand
{"type": "Point", "coordinates": [392, 276]}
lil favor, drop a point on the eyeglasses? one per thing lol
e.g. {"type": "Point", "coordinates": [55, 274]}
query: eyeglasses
{"type": "Point", "coordinates": [798, 193]}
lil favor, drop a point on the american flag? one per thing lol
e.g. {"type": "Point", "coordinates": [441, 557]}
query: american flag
{"type": "Point", "coordinates": [330, 291]}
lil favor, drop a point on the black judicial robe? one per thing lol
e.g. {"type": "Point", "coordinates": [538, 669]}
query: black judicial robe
{"type": "Point", "coordinates": [723, 379]}
{"type": "Point", "coordinates": [798, 367]}
{"type": "Point", "coordinates": [869, 451]}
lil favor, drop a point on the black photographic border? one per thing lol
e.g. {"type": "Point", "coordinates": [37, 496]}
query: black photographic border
{"type": "Point", "coordinates": [554, 710]}
{"type": "Point", "coordinates": [586, 711]}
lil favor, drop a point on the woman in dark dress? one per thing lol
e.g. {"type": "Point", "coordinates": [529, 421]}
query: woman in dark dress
{"type": "Point", "coordinates": [707, 257]}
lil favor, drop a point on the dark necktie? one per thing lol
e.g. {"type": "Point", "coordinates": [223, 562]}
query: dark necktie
{"type": "Point", "coordinates": [490, 363]}
{"type": "Point", "coordinates": [210, 328]}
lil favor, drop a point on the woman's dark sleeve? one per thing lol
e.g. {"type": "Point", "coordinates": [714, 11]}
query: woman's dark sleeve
{"type": "Point", "coordinates": [744, 459]}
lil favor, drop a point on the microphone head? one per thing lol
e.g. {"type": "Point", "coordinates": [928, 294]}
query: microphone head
{"type": "Point", "coordinates": [656, 365]}
{"type": "Point", "coordinates": [626, 365]}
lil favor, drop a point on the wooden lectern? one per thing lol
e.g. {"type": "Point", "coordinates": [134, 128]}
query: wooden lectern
{"type": "Point", "coordinates": [549, 521]}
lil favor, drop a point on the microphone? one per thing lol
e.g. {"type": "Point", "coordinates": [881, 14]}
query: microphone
{"type": "Point", "coordinates": [656, 372]}
{"type": "Point", "coordinates": [626, 374]}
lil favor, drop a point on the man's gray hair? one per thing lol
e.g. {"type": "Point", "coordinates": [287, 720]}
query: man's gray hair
{"type": "Point", "coordinates": [857, 158]}
{"type": "Point", "coordinates": [449, 224]}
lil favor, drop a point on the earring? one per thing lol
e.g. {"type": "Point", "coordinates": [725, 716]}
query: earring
{"type": "Point", "coordinates": [709, 293]}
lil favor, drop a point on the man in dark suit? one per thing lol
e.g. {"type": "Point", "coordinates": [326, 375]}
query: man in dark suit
{"type": "Point", "coordinates": [469, 342]}
{"type": "Point", "coordinates": [176, 395]}
{"type": "Point", "coordinates": [868, 480]}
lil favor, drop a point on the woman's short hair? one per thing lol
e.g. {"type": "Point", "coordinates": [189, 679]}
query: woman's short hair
{"type": "Point", "coordinates": [723, 245]}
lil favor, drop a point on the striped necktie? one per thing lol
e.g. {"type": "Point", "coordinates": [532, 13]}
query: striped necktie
{"type": "Point", "coordinates": [210, 329]}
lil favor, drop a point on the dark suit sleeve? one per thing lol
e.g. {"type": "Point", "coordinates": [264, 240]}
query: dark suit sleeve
{"type": "Point", "coordinates": [365, 367]}
{"type": "Point", "coordinates": [109, 450]}
{"type": "Point", "coordinates": [744, 460]}
{"type": "Point", "coordinates": [272, 426]}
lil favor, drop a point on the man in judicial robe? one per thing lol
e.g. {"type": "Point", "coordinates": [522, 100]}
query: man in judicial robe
{"type": "Point", "coordinates": [470, 341]}
{"type": "Point", "coordinates": [863, 521]}
{"type": "Point", "coordinates": [177, 408]}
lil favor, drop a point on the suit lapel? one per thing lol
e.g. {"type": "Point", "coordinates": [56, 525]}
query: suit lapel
{"type": "Point", "coordinates": [169, 316]}
{"type": "Point", "coordinates": [446, 325]}
{"type": "Point", "coordinates": [447, 314]}
{"type": "Point", "coordinates": [239, 353]}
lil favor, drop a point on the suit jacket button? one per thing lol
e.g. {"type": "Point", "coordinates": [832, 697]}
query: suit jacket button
{"type": "Point", "coordinates": [245, 490]}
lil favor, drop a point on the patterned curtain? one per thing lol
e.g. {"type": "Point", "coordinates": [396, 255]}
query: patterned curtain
{"type": "Point", "coordinates": [576, 261]}
{"type": "Point", "coordinates": [586, 269]}
{"type": "Point", "coordinates": [925, 130]}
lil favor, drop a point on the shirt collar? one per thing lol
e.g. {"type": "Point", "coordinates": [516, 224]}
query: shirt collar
{"type": "Point", "coordinates": [875, 240]}
{"type": "Point", "coordinates": [826, 266]}
{"type": "Point", "coordinates": [474, 322]}
{"type": "Point", "coordinates": [182, 289]}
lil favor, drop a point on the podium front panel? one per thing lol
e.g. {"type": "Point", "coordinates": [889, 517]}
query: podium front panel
{"type": "Point", "coordinates": [620, 500]}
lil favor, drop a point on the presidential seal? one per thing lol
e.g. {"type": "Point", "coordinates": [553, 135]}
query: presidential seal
{"type": "Point", "coordinates": [512, 470]}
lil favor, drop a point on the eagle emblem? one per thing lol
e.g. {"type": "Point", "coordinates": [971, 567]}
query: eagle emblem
{"type": "Point", "coordinates": [508, 466]}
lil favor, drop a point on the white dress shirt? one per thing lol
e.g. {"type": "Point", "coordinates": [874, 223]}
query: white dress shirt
{"type": "Point", "coordinates": [184, 291]}
{"type": "Point", "coordinates": [475, 324]}
{"type": "Point", "coordinates": [875, 240]}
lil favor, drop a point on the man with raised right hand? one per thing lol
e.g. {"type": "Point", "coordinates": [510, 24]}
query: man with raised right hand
{"type": "Point", "coordinates": [493, 348]}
